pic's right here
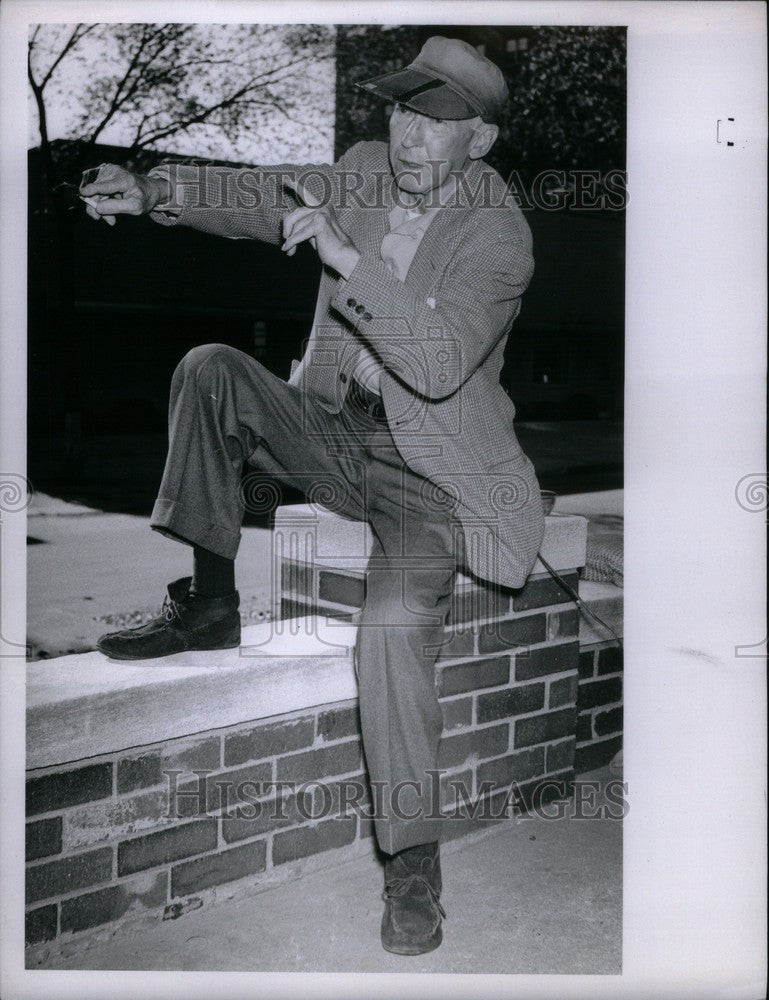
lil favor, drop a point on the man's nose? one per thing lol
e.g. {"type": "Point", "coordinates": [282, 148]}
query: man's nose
{"type": "Point", "coordinates": [414, 134]}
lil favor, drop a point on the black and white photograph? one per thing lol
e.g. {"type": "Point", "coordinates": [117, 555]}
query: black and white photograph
{"type": "Point", "coordinates": [344, 351]}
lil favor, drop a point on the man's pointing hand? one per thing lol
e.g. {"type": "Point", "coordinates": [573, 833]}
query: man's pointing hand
{"type": "Point", "coordinates": [318, 223]}
{"type": "Point", "coordinates": [116, 191]}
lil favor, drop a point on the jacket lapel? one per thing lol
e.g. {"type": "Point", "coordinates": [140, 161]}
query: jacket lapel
{"type": "Point", "coordinates": [439, 242]}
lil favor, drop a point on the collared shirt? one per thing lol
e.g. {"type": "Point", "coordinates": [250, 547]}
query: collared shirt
{"type": "Point", "coordinates": [407, 227]}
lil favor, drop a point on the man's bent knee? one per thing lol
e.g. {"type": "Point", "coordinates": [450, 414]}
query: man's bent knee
{"type": "Point", "coordinates": [199, 356]}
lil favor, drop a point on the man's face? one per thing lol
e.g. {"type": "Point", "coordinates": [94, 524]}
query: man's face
{"type": "Point", "coordinates": [417, 139]}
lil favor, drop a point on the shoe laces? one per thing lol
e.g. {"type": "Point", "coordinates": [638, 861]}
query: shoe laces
{"type": "Point", "coordinates": [400, 886]}
{"type": "Point", "coordinates": [171, 610]}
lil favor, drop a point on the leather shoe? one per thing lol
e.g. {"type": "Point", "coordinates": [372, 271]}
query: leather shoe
{"type": "Point", "coordinates": [186, 622]}
{"type": "Point", "coordinates": [411, 924]}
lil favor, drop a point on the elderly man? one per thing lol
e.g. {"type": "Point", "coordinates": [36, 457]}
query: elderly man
{"type": "Point", "coordinates": [397, 399]}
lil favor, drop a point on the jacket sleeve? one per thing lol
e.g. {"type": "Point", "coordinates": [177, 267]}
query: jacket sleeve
{"type": "Point", "coordinates": [241, 203]}
{"type": "Point", "coordinates": [434, 345]}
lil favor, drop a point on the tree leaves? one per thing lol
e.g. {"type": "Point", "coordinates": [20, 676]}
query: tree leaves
{"type": "Point", "coordinates": [163, 85]}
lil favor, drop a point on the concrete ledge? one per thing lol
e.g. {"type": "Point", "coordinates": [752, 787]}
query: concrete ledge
{"type": "Point", "coordinates": [310, 533]}
{"type": "Point", "coordinates": [84, 705]}
{"type": "Point", "coordinates": [608, 602]}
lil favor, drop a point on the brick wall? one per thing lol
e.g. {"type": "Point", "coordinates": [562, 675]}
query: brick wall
{"type": "Point", "coordinates": [522, 703]}
{"type": "Point", "coordinates": [102, 842]}
{"type": "Point", "coordinates": [507, 675]}
{"type": "Point", "coordinates": [599, 703]}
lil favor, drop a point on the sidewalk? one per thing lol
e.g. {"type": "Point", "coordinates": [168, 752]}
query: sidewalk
{"type": "Point", "coordinates": [527, 896]}
{"type": "Point", "coordinates": [91, 572]}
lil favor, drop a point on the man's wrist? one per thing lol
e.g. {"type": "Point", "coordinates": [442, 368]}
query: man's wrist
{"type": "Point", "coordinates": [159, 191]}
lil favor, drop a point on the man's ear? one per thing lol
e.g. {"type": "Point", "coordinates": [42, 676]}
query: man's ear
{"type": "Point", "coordinates": [484, 137]}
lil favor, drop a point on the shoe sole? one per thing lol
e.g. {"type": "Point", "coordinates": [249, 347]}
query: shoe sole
{"type": "Point", "coordinates": [172, 652]}
{"type": "Point", "coordinates": [406, 949]}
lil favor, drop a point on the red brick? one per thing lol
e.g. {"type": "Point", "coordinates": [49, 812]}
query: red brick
{"type": "Point", "coordinates": [585, 726]}
{"type": "Point", "coordinates": [478, 603]}
{"type": "Point", "coordinates": [457, 678]}
{"type": "Point", "coordinates": [512, 632]}
{"type": "Point", "coordinates": [114, 819]}
{"type": "Point", "coordinates": [560, 756]}
{"type": "Point", "coordinates": [166, 845]}
{"type": "Point", "coordinates": [478, 743]}
{"type": "Point", "coordinates": [153, 768]}
{"type": "Point", "coordinates": [339, 722]}
{"type": "Point", "coordinates": [61, 789]}
{"type": "Point", "coordinates": [104, 905]}
{"type": "Point", "coordinates": [138, 772]}
{"type": "Point", "coordinates": [220, 791]}
{"type": "Point", "coordinates": [341, 589]}
{"type": "Point", "coordinates": [563, 691]}
{"type": "Point", "coordinates": [216, 869]}
{"type": "Point", "coordinates": [609, 660]}
{"type": "Point", "coordinates": [43, 838]}
{"type": "Point", "coordinates": [290, 845]}
{"type": "Point", "coordinates": [68, 874]}
{"type": "Point", "coordinates": [563, 624]}
{"type": "Point", "coordinates": [510, 702]}
{"type": "Point", "coordinates": [203, 755]}
{"type": "Point", "coordinates": [605, 723]}
{"type": "Point", "coordinates": [267, 814]}
{"type": "Point", "coordinates": [328, 797]}
{"type": "Point", "coordinates": [269, 740]}
{"type": "Point", "coordinates": [596, 754]}
{"type": "Point", "coordinates": [457, 712]}
{"type": "Point", "coordinates": [586, 663]}
{"type": "Point", "coordinates": [555, 659]}
{"type": "Point", "coordinates": [340, 758]}
{"type": "Point", "coordinates": [513, 767]}
{"type": "Point", "coordinates": [541, 591]}
{"type": "Point", "coordinates": [596, 693]}
{"type": "Point", "coordinates": [40, 924]}
{"type": "Point", "coordinates": [456, 644]}
{"type": "Point", "coordinates": [544, 727]}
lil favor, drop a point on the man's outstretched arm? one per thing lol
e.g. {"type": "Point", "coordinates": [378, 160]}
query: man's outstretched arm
{"type": "Point", "coordinates": [238, 203]}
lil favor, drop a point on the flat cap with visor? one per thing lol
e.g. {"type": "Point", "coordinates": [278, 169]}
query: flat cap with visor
{"type": "Point", "coordinates": [448, 79]}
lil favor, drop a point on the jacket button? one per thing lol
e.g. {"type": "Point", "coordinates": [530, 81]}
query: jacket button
{"type": "Point", "coordinates": [351, 303]}
{"type": "Point", "coordinates": [360, 309]}
{"type": "Point", "coordinates": [342, 377]}
{"type": "Point", "coordinates": [368, 317]}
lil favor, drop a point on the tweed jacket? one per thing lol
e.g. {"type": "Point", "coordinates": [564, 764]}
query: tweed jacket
{"type": "Point", "coordinates": [440, 334]}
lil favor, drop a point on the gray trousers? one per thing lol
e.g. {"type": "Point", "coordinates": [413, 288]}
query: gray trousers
{"type": "Point", "coordinates": [226, 409]}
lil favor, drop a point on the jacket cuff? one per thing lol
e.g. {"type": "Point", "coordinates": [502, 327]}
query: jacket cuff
{"type": "Point", "coordinates": [372, 292]}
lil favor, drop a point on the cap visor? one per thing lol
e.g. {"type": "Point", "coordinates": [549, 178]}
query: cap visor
{"type": "Point", "coordinates": [421, 92]}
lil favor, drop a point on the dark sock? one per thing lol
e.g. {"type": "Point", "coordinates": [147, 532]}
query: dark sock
{"type": "Point", "coordinates": [212, 575]}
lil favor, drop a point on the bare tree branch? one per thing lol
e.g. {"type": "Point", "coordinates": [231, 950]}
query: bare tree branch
{"type": "Point", "coordinates": [79, 32]}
